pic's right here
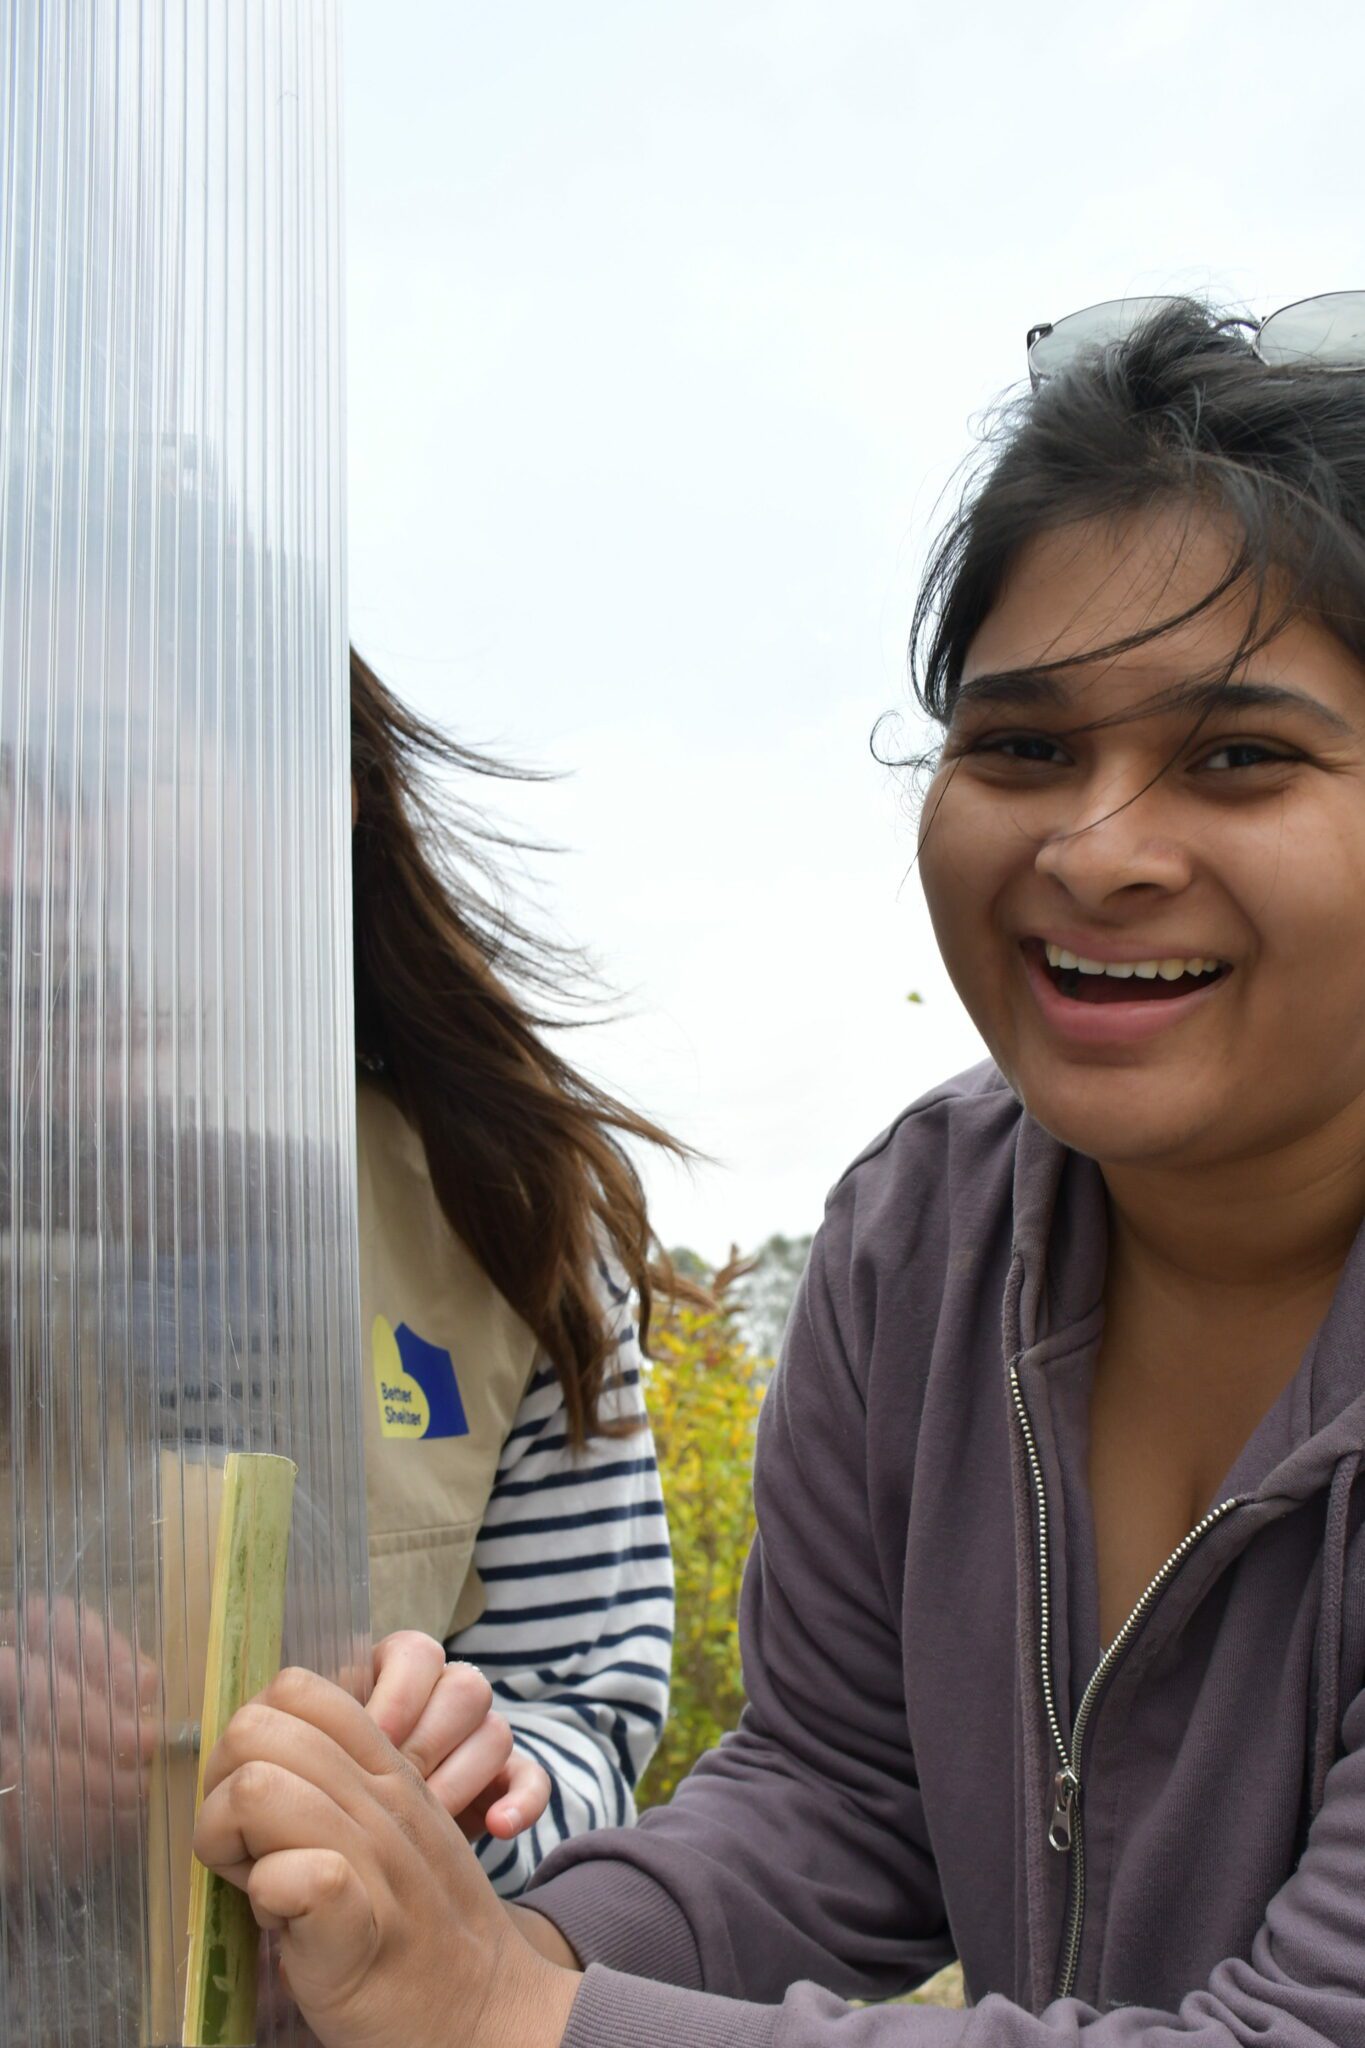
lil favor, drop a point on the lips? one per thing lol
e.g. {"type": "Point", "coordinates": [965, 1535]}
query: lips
{"type": "Point", "coordinates": [1104, 1005]}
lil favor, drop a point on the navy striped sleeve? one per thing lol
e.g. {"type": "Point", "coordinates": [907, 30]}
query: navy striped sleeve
{"type": "Point", "coordinates": [577, 1635]}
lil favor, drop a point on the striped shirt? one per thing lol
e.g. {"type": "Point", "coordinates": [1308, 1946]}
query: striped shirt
{"type": "Point", "coordinates": [577, 1636]}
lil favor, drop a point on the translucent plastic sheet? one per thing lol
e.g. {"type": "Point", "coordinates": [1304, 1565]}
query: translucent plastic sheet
{"type": "Point", "coordinates": [177, 1238]}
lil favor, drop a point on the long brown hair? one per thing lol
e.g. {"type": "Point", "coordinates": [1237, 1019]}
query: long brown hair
{"type": "Point", "coordinates": [525, 1153]}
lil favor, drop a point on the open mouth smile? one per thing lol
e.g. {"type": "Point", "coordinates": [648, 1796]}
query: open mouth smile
{"type": "Point", "coordinates": [1158, 979]}
{"type": "Point", "coordinates": [1114, 1002]}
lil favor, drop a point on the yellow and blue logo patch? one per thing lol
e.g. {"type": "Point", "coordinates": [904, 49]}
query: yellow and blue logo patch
{"type": "Point", "coordinates": [419, 1395]}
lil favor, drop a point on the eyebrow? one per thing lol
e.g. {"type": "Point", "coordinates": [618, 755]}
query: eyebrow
{"type": "Point", "coordinates": [1034, 688]}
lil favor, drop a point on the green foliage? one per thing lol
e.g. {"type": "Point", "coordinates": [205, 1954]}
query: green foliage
{"type": "Point", "coordinates": [704, 1395]}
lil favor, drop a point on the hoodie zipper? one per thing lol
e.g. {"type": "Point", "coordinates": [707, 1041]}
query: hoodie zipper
{"type": "Point", "coordinates": [1066, 1828]}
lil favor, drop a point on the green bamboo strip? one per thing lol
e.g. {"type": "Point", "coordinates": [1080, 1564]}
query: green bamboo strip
{"type": "Point", "coordinates": [245, 1622]}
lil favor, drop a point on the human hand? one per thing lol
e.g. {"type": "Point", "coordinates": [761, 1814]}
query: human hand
{"type": "Point", "coordinates": [389, 1929]}
{"type": "Point", "coordinates": [439, 1716]}
{"type": "Point", "coordinates": [74, 1786]}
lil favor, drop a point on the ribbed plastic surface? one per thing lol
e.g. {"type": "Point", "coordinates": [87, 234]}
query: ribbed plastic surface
{"type": "Point", "coordinates": [177, 1237]}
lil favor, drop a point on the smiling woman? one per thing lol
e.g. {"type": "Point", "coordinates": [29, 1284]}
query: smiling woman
{"type": "Point", "coordinates": [1129, 809]}
{"type": "Point", "coordinates": [1054, 1631]}
{"type": "Point", "coordinates": [1137, 861]}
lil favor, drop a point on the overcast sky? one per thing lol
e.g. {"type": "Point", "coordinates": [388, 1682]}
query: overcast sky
{"type": "Point", "coordinates": [669, 322]}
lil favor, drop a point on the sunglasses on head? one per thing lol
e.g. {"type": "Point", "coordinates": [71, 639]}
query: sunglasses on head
{"type": "Point", "coordinates": [1327, 332]}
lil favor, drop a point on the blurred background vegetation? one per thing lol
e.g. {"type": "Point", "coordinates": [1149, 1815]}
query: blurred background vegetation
{"type": "Point", "coordinates": [704, 1396]}
{"type": "Point", "coordinates": [710, 1369]}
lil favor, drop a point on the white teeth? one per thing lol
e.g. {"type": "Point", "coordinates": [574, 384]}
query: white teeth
{"type": "Point", "coordinates": [1169, 969]}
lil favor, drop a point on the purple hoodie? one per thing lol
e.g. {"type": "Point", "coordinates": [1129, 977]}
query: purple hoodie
{"type": "Point", "coordinates": [927, 1688]}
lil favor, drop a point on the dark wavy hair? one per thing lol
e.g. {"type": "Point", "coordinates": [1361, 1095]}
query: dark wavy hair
{"type": "Point", "coordinates": [454, 999]}
{"type": "Point", "coordinates": [1179, 414]}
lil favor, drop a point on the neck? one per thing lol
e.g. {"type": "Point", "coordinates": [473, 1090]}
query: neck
{"type": "Point", "coordinates": [1278, 1224]}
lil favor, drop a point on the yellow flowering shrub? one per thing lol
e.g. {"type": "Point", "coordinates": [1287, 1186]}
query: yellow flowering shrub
{"type": "Point", "coordinates": [704, 1395]}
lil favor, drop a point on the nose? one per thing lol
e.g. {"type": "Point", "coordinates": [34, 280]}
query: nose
{"type": "Point", "coordinates": [1114, 847]}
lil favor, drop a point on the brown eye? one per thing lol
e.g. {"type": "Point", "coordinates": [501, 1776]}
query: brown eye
{"type": "Point", "coordinates": [1244, 754]}
{"type": "Point", "coordinates": [1022, 746]}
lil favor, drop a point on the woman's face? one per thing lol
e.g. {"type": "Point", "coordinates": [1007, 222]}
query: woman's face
{"type": "Point", "coordinates": [1232, 857]}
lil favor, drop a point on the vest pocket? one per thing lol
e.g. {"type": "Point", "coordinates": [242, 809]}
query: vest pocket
{"type": "Point", "coordinates": [423, 1579]}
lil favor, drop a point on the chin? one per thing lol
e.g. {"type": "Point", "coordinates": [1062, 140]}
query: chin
{"type": "Point", "coordinates": [1098, 1122]}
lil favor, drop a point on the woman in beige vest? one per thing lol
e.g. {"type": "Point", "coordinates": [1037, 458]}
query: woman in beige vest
{"type": "Point", "coordinates": [514, 1505]}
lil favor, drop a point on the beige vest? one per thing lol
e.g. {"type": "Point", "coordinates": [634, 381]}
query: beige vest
{"type": "Point", "coordinates": [446, 1365]}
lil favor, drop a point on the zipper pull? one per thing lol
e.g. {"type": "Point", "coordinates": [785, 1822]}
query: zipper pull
{"type": "Point", "coordinates": [1066, 1788]}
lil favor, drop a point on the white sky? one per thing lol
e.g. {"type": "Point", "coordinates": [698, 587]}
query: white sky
{"type": "Point", "coordinates": [668, 319]}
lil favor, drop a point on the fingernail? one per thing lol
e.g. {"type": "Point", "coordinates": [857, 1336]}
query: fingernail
{"type": "Point", "coordinates": [512, 1818]}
